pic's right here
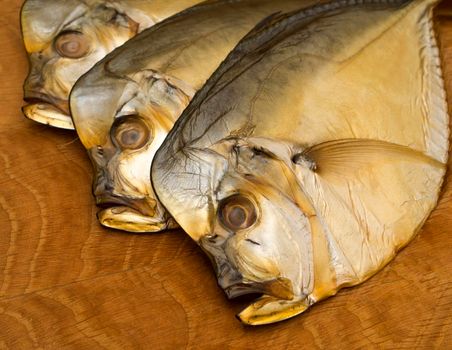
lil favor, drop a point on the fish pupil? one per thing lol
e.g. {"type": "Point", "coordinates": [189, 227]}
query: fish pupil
{"type": "Point", "coordinates": [237, 212]}
{"type": "Point", "coordinates": [237, 216]}
{"type": "Point", "coordinates": [130, 132]}
{"type": "Point", "coordinates": [131, 137]}
{"type": "Point", "coordinates": [71, 46]}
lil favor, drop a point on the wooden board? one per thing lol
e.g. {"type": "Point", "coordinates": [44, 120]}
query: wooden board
{"type": "Point", "coordinates": [67, 282]}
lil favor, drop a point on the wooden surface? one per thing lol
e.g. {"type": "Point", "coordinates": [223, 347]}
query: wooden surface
{"type": "Point", "coordinates": [66, 282]}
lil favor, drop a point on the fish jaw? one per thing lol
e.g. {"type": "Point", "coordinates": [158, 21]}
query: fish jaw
{"type": "Point", "coordinates": [48, 114]}
{"type": "Point", "coordinates": [127, 219]}
{"type": "Point", "coordinates": [131, 214]}
{"type": "Point", "coordinates": [268, 309]}
{"type": "Point", "coordinates": [234, 283]}
{"type": "Point", "coordinates": [136, 214]}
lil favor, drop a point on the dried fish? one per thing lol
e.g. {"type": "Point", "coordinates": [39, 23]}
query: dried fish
{"type": "Point", "coordinates": [125, 106]}
{"type": "Point", "coordinates": [314, 153]}
{"type": "Point", "coordinates": [64, 39]}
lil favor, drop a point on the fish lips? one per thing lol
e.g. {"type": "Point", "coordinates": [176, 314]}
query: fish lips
{"type": "Point", "coordinates": [46, 109]}
{"type": "Point", "coordinates": [131, 214]}
{"type": "Point", "coordinates": [232, 281]}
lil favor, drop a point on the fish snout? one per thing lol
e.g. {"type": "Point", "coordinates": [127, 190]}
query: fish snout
{"type": "Point", "coordinates": [233, 281]}
{"type": "Point", "coordinates": [103, 181]}
{"type": "Point", "coordinates": [133, 214]}
{"type": "Point", "coordinates": [227, 274]}
{"type": "Point", "coordinates": [102, 187]}
{"type": "Point", "coordinates": [229, 277]}
{"type": "Point", "coordinates": [108, 195]}
{"type": "Point", "coordinates": [121, 208]}
{"type": "Point", "coordinates": [106, 200]}
{"type": "Point", "coordinates": [46, 104]}
{"type": "Point", "coordinates": [35, 79]}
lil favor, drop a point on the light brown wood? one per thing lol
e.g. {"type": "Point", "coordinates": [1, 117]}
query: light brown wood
{"type": "Point", "coordinates": [67, 282]}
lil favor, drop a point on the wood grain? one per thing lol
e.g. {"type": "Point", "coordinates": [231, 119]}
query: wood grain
{"type": "Point", "coordinates": [66, 282]}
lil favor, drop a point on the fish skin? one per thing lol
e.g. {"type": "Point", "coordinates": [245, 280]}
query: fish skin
{"type": "Point", "coordinates": [104, 24]}
{"type": "Point", "coordinates": [333, 122]}
{"type": "Point", "coordinates": [155, 75]}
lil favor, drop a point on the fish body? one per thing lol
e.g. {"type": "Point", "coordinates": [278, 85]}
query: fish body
{"type": "Point", "coordinates": [313, 154]}
{"type": "Point", "coordinates": [64, 39]}
{"type": "Point", "coordinates": [141, 89]}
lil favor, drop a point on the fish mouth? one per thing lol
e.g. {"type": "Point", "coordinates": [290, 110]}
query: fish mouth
{"type": "Point", "coordinates": [234, 284]}
{"type": "Point", "coordinates": [132, 214]}
{"type": "Point", "coordinates": [280, 288]}
{"type": "Point", "coordinates": [276, 303]}
{"type": "Point", "coordinates": [47, 110]}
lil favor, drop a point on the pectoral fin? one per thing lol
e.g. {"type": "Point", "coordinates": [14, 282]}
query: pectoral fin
{"type": "Point", "coordinates": [342, 157]}
{"type": "Point", "coordinates": [269, 310]}
{"type": "Point", "coordinates": [371, 197]}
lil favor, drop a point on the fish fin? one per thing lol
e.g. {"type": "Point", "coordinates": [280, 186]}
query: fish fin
{"type": "Point", "coordinates": [344, 156]}
{"type": "Point", "coordinates": [371, 198]}
{"type": "Point", "coordinates": [268, 310]}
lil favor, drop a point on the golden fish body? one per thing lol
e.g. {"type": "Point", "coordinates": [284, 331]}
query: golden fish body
{"type": "Point", "coordinates": [125, 106]}
{"type": "Point", "coordinates": [64, 39]}
{"type": "Point", "coordinates": [313, 154]}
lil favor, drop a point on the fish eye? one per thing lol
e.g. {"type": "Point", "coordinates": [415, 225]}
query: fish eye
{"type": "Point", "coordinates": [130, 132]}
{"type": "Point", "coordinates": [237, 212]}
{"type": "Point", "coordinates": [71, 44]}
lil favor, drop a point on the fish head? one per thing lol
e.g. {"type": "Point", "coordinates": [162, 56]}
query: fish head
{"type": "Point", "coordinates": [237, 200]}
{"type": "Point", "coordinates": [122, 120]}
{"type": "Point", "coordinates": [64, 39]}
